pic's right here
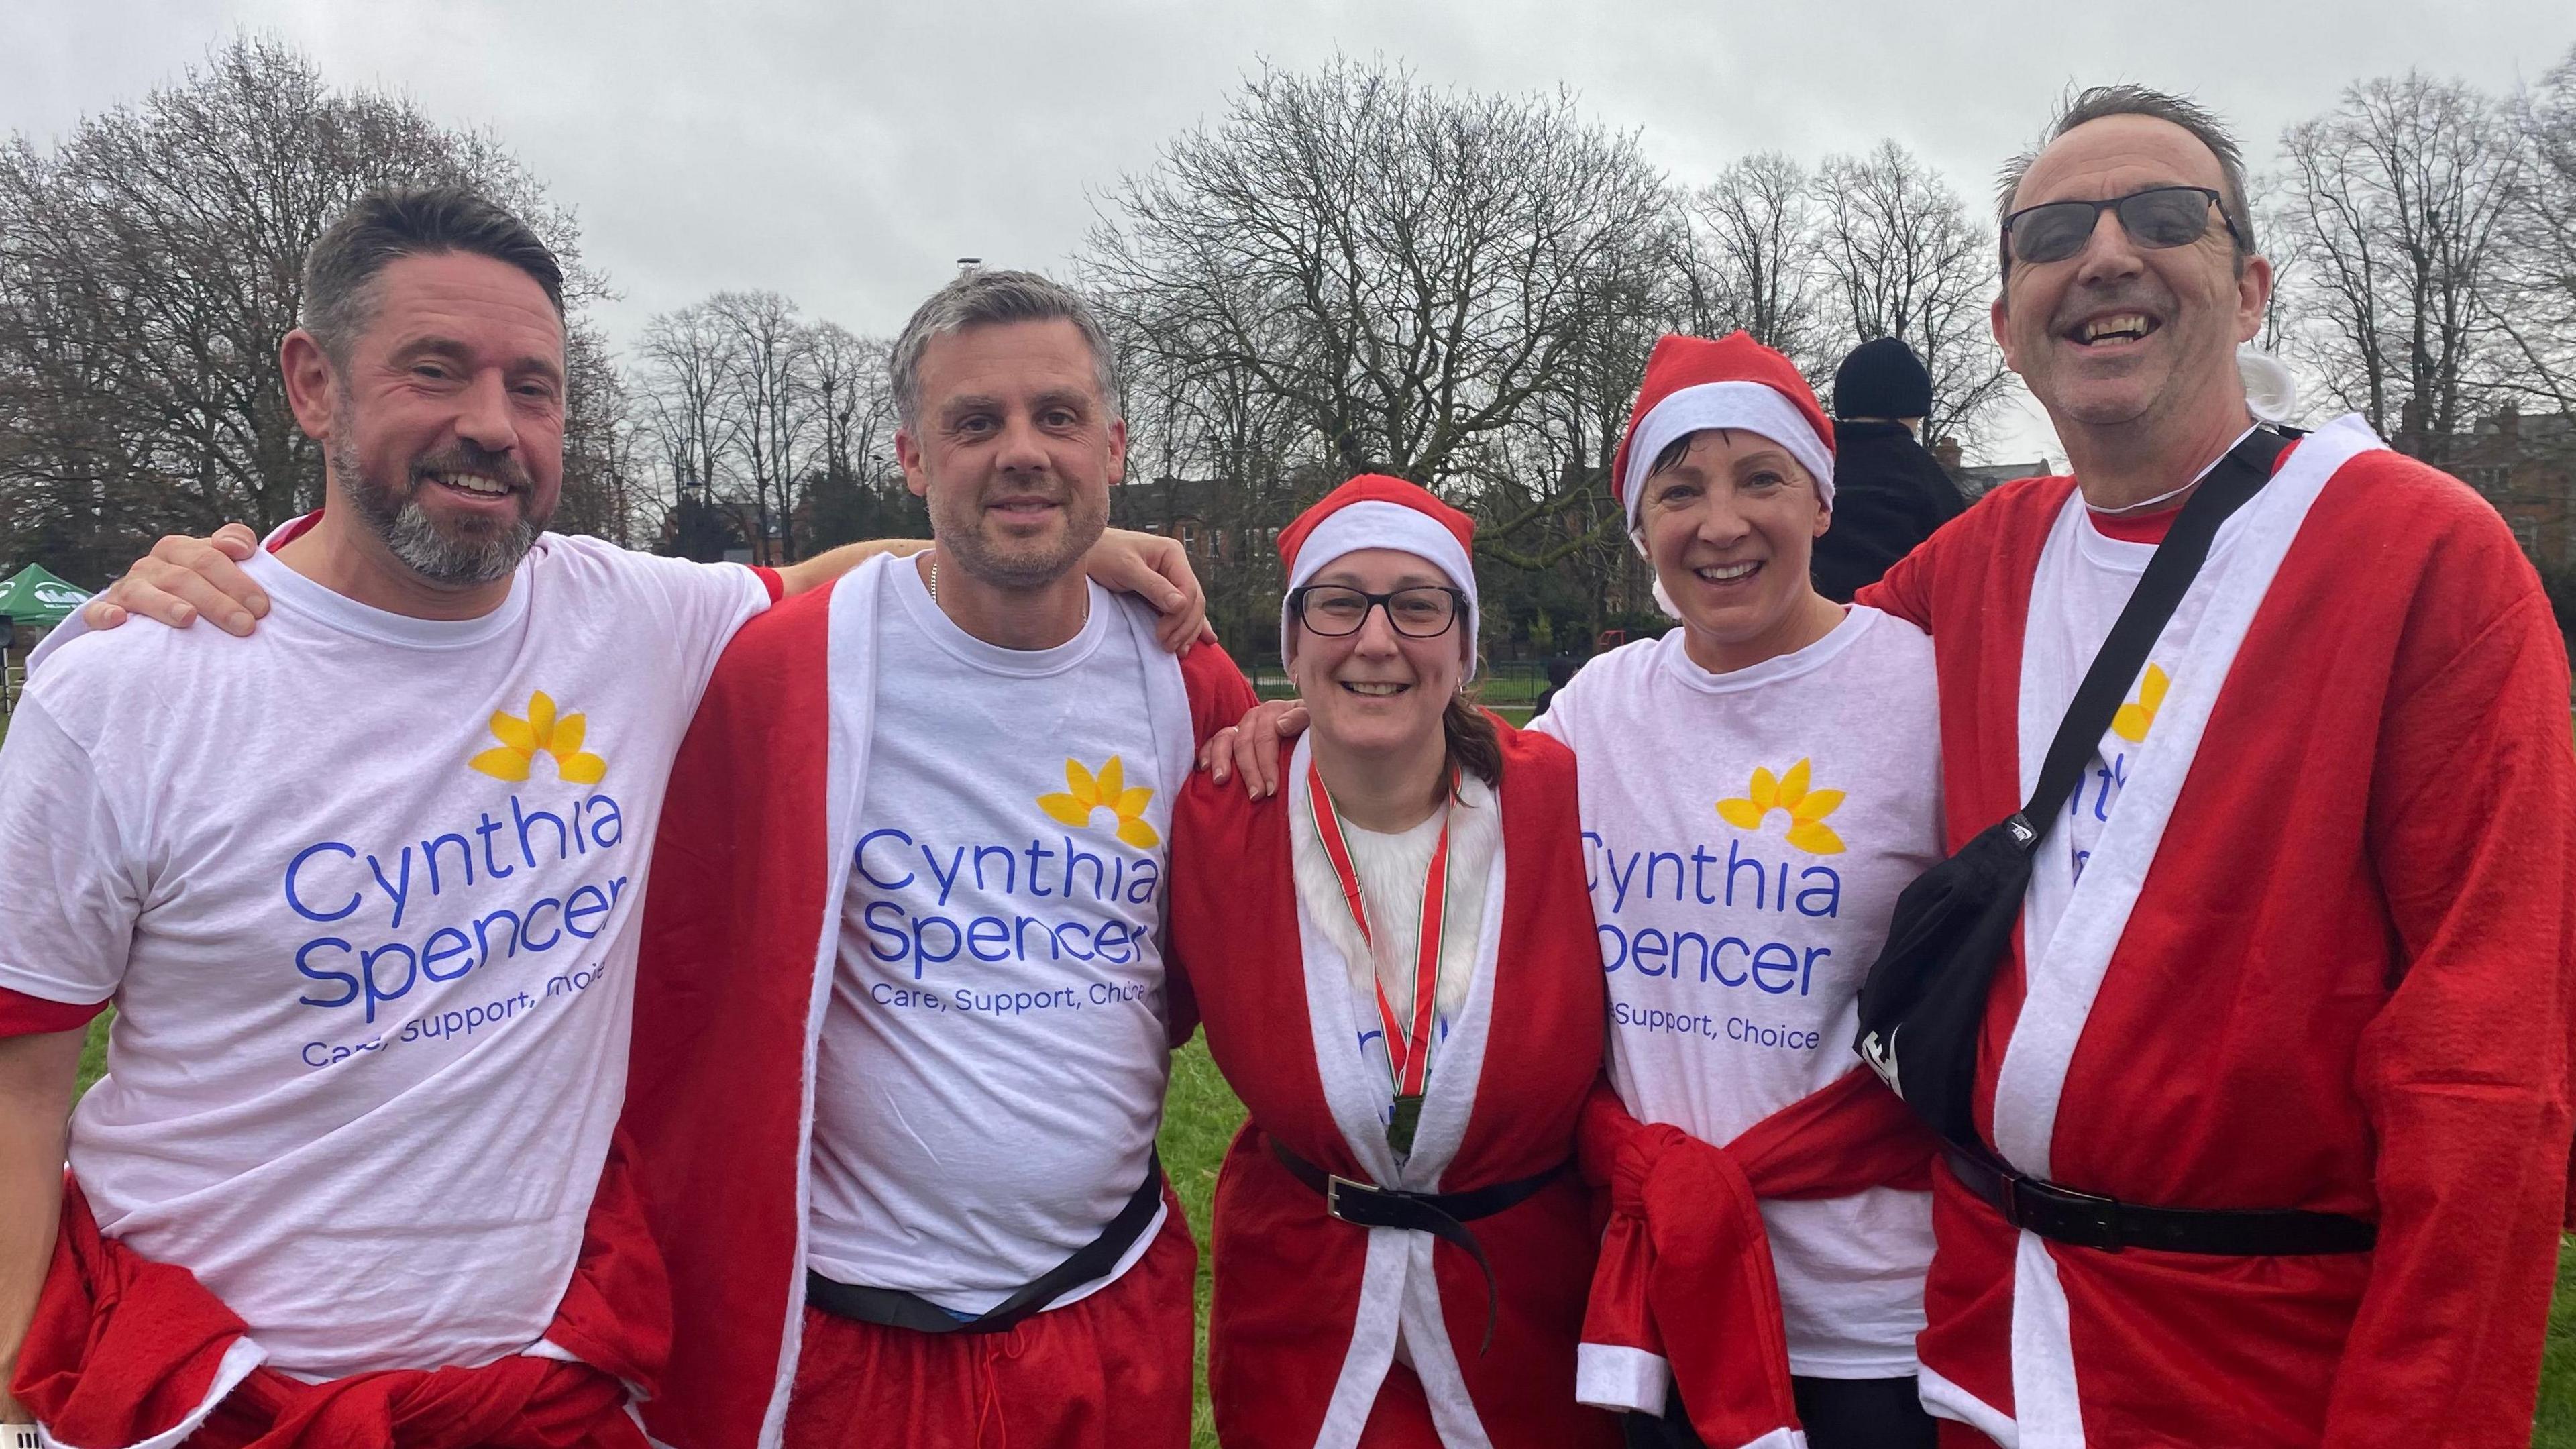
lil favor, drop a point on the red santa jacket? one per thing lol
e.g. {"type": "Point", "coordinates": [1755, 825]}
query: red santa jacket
{"type": "Point", "coordinates": [1306, 1311]}
{"type": "Point", "coordinates": [2325, 965]}
{"type": "Point", "coordinates": [740, 939]}
{"type": "Point", "coordinates": [1685, 1286]}
{"type": "Point", "coordinates": [126, 1351]}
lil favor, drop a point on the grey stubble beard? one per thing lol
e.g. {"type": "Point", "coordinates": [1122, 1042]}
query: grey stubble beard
{"type": "Point", "coordinates": [415, 541]}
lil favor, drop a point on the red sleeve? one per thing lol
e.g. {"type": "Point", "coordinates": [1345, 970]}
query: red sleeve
{"type": "Point", "coordinates": [770, 580]}
{"type": "Point", "coordinates": [2464, 1073]}
{"type": "Point", "coordinates": [294, 530]}
{"type": "Point", "coordinates": [1219, 694]}
{"type": "Point", "coordinates": [24, 1015]}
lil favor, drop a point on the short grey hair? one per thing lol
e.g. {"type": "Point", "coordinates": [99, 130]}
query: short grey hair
{"type": "Point", "coordinates": [2101, 102]}
{"type": "Point", "coordinates": [980, 298]}
{"type": "Point", "coordinates": [384, 226]}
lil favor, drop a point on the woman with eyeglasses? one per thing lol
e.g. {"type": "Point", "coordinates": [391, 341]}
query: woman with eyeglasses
{"type": "Point", "coordinates": [1393, 961]}
{"type": "Point", "coordinates": [1757, 787]}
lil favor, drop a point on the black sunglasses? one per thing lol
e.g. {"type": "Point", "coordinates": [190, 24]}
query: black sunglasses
{"type": "Point", "coordinates": [2159, 217]}
{"type": "Point", "coordinates": [1331, 611]}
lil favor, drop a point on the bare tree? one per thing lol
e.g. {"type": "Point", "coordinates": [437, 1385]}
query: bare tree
{"type": "Point", "coordinates": [1406, 268]}
{"type": "Point", "coordinates": [1761, 222]}
{"type": "Point", "coordinates": [2537, 314]}
{"type": "Point", "coordinates": [764, 344]}
{"type": "Point", "coordinates": [854, 489]}
{"type": "Point", "coordinates": [853, 405]}
{"type": "Point", "coordinates": [151, 263]}
{"type": "Point", "coordinates": [1905, 263]}
{"type": "Point", "coordinates": [688, 406]}
{"type": "Point", "coordinates": [2397, 206]}
{"type": "Point", "coordinates": [604, 494]}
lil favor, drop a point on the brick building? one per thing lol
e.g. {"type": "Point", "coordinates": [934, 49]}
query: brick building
{"type": "Point", "coordinates": [2525, 466]}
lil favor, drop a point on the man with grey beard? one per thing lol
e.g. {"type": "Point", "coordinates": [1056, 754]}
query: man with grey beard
{"type": "Point", "coordinates": [364, 887]}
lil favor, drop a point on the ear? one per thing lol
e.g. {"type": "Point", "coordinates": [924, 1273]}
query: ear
{"type": "Point", "coordinates": [1824, 520]}
{"type": "Point", "coordinates": [1999, 317]}
{"type": "Point", "coordinates": [312, 384]}
{"type": "Point", "coordinates": [2253, 297]}
{"type": "Point", "coordinates": [907, 453]}
{"type": "Point", "coordinates": [1117, 450]}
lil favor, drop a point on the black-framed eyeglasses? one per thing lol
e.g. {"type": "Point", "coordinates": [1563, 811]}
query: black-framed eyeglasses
{"type": "Point", "coordinates": [2158, 217]}
{"type": "Point", "coordinates": [1330, 611]}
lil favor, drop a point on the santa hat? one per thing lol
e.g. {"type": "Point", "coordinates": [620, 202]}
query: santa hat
{"type": "Point", "coordinates": [1693, 384]}
{"type": "Point", "coordinates": [1376, 511]}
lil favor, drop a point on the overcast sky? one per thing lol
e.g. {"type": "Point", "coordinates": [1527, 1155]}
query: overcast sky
{"type": "Point", "coordinates": [847, 154]}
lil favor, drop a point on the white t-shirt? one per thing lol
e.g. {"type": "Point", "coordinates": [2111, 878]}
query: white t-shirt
{"type": "Point", "coordinates": [2067, 626]}
{"type": "Point", "coordinates": [363, 888]}
{"type": "Point", "coordinates": [994, 1054]}
{"type": "Point", "coordinates": [1393, 870]}
{"type": "Point", "coordinates": [2061, 642]}
{"type": "Point", "coordinates": [1747, 835]}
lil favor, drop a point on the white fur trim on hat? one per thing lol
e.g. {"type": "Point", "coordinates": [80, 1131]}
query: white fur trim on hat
{"type": "Point", "coordinates": [1376, 523]}
{"type": "Point", "coordinates": [1752, 406]}
{"type": "Point", "coordinates": [2271, 389]}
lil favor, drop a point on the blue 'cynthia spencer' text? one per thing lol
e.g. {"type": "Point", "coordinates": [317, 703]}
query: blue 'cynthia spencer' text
{"type": "Point", "coordinates": [1074, 901]}
{"type": "Point", "coordinates": [376, 902]}
{"type": "Point", "coordinates": [1772, 960]}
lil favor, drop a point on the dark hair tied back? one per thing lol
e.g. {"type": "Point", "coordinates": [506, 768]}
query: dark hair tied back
{"type": "Point", "coordinates": [1474, 747]}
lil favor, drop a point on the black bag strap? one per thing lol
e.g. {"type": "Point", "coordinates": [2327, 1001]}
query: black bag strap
{"type": "Point", "coordinates": [2226, 488]}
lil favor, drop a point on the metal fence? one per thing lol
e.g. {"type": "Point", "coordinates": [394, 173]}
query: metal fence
{"type": "Point", "coordinates": [1512, 684]}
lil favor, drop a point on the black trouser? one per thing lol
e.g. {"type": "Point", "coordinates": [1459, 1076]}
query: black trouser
{"type": "Point", "coordinates": [1838, 1414]}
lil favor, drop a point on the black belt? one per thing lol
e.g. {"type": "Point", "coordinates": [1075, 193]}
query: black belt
{"type": "Point", "coordinates": [895, 1308]}
{"type": "Point", "coordinates": [1444, 1215]}
{"type": "Point", "coordinates": [2066, 1216]}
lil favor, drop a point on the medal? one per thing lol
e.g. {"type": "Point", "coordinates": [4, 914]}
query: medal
{"type": "Point", "coordinates": [1408, 1053]}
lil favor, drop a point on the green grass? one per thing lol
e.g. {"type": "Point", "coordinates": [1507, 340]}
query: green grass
{"type": "Point", "coordinates": [2555, 1427]}
{"type": "Point", "coordinates": [1199, 1118]}
{"type": "Point", "coordinates": [1201, 1114]}
{"type": "Point", "coordinates": [94, 1054]}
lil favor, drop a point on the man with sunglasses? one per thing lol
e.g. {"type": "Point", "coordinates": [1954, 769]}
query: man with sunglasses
{"type": "Point", "coordinates": [2277, 1065]}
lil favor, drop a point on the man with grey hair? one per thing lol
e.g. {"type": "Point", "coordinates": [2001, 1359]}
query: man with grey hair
{"type": "Point", "coordinates": [365, 889]}
{"type": "Point", "coordinates": [2262, 1124]}
{"type": "Point", "coordinates": [901, 1054]}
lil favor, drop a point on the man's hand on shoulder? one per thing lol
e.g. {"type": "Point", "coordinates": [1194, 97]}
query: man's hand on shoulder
{"type": "Point", "coordinates": [1251, 748]}
{"type": "Point", "coordinates": [184, 578]}
{"type": "Point", "coordinates": [1157, 570]}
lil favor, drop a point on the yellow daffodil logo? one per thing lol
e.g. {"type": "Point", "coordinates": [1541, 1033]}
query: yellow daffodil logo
{"type": "Point", "coordinates": [543, 732]}
{"type": "Point", "coordinates": [1807, 809]}
{"type": "Point", "coordinates": [1086, 792]}
{"type": "Point", "coordinates": [2139, 715]}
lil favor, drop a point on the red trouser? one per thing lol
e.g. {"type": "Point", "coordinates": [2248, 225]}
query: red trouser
{"type": "Point", "coordinates": [1111, 1371]}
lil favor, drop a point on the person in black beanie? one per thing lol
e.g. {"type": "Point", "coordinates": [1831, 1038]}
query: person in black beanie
{"type": "Point", "coordinates": [1889, 493]}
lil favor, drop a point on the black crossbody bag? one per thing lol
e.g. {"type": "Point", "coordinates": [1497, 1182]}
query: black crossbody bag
{"type": "Point", "coordinates": [1923, 1005]}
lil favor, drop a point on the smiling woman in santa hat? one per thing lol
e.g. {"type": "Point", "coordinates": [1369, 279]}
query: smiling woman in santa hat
{"type": "Point", "coordinates": [1758, 786]}
{"type": "Point", "coordinates": [1394, 964]}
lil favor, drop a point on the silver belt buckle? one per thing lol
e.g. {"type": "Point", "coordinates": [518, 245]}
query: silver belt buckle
{"type": "Point", "coordinates": [1333, 1185]}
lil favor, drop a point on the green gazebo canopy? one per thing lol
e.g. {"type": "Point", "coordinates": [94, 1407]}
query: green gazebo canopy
{"type": "Point", "coordinates": [34, 596]}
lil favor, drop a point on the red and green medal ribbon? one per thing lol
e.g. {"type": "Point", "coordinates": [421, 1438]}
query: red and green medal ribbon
{"type": "Point", "coordinates": [1408, 1053]}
